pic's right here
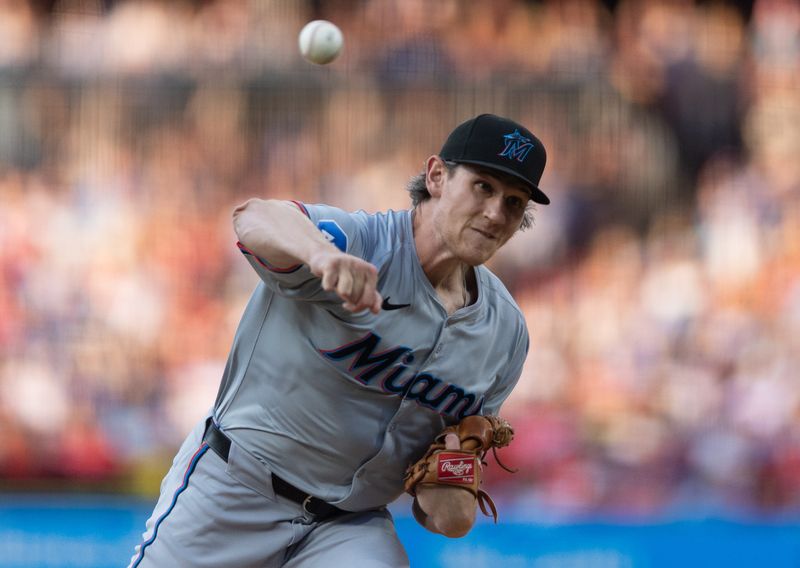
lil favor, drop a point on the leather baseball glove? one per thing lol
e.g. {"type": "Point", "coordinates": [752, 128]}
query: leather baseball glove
{"type": "Point", "coordinates": [446, 481]}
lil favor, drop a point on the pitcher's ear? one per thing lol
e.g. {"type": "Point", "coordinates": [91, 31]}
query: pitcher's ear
{"type": "Point", "coordinates": [436, 173]}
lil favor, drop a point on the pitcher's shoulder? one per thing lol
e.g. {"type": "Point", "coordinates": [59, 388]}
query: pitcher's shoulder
{"type": "Point", "coordinates": [497, 295]}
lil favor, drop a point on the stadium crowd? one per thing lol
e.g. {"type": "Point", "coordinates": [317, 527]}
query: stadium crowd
{"type": "Point", "coordinates": [661, 287]}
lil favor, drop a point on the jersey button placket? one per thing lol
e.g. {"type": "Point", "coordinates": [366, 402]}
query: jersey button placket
{"type": "Point", "coordinates": [440, 344]}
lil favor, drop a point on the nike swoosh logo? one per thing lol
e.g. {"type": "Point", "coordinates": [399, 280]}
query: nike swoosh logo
{"type": "Point", "coordinates": [386, 305]}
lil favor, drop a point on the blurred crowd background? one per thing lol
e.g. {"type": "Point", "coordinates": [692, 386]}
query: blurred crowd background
{"type": "Point", "coordinates": [661, 287]}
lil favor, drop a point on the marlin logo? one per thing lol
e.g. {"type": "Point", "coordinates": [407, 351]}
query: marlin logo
{"type": "Point", "coordinates": [517, 146]}
{"type": "Point", "coordinates": [390, 371]}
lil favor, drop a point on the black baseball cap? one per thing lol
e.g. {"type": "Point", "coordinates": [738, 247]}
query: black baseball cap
{"type": "Point", "coordinates": [500, 144]}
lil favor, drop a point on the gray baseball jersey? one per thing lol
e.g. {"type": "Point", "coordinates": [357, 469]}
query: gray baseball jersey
{"type": "Point", "coordinates": [335, 403]}
{"type": "Point", "coordinates": [339, 404]}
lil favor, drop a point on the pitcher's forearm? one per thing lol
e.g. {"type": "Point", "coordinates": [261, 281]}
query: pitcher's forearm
{"type": "Point", "coordinates": [277, 232]}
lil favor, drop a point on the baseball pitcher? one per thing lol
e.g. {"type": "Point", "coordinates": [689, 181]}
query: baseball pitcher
{"type": "Point", "coordinates": [372, 358]}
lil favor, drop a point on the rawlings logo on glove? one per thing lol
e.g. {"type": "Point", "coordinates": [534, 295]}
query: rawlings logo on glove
{"type": "Point", "coordinates": [453, 468]}
{"type": "Point", "coordinates": [446, 481]}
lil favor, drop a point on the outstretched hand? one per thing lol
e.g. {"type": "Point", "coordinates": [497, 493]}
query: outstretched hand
{"type": "Point", "coordinates": [354, 280]}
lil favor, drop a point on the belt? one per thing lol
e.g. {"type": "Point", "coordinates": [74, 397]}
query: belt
{"type": "Point", "coordinates": [316, 508]}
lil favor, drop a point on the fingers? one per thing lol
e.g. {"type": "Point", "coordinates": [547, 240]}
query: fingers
{"type": "Point", "coordinates": [370, 297]}
{"type": "Point", "coordinates": [346, 284]}
{"type": "Point", "coordinates": [452, 442]}
{"type": "Point", "coordinates": [330, 279]}
{"type": "Point", "coordinates": [366, 299]}
{"type": "Point", "coordinates": [354, 281]}
{"type": "Point", "coordinates": [377, 300]}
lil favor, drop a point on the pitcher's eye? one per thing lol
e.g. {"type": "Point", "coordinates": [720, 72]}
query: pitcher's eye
{"type": "Point", "coordinates": [515, 203]}
{"type": "Point", "coordinates": [484, 187]}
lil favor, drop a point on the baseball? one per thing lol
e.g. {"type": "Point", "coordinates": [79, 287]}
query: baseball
{"type": "Point", "coordinates": [320, 41]}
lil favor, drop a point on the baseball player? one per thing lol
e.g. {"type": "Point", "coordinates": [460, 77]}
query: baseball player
{"type": "Point", "coordinates": [365, 337]}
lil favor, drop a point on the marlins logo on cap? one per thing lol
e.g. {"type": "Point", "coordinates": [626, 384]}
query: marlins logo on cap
{"type": "Point", "coordinates": [517, 146]}
{"type": "Point", "coordinates": [522, 155]}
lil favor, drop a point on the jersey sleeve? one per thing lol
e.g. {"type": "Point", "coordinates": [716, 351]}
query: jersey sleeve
{"type": "Point", "coordinates": [506, 383]}
{"type": "Point", "coordinates": [347, 231]}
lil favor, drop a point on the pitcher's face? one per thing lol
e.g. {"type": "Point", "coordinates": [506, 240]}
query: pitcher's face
{"type": "Point", "coordinates": [476, 213]}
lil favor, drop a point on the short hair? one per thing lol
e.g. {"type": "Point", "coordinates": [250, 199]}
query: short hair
{"type": "Point", "coordinates": [418, 189]}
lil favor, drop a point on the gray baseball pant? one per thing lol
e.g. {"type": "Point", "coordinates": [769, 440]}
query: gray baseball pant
{"type": "Point", "coordinates": [226, 515]}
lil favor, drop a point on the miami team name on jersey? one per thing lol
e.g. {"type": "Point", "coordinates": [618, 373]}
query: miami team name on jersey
{"type": "Point", "coordinates": [381, 370]}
